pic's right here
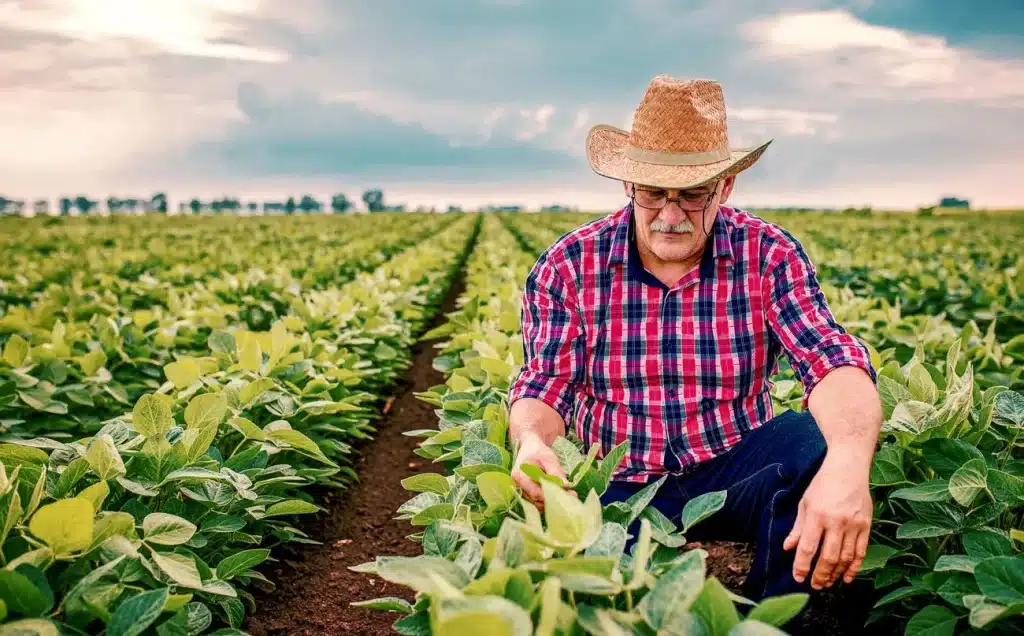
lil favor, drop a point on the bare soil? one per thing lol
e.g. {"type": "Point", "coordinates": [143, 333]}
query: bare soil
{"type": "Point", "coordinates": [314, 585]}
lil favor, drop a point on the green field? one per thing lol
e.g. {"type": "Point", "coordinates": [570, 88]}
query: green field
{"type": "Point", "coordinates": [173, 390]}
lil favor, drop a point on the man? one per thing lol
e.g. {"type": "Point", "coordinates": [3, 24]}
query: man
{"type": "Point", "coordinates": [662, 324]}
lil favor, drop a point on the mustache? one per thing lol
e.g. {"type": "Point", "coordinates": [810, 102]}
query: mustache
{"type": "Point", "coordinates": [679, 228]}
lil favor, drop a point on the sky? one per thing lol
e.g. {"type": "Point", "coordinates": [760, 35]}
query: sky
{"type": "Point", "coordinates": [891, 103]}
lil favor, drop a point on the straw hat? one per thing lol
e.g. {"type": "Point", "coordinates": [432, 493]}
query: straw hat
{"type": "Point", "coordinates": [679, 139]}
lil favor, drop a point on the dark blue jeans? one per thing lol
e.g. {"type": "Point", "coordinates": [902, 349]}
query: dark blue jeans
{"type": "Point", "coordinates": [765, 475]}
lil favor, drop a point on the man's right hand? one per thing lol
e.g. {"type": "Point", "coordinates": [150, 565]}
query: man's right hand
{"type": "Point", "coordinates": [533, 450]}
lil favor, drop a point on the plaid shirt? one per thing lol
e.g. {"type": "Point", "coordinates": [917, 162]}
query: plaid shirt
{"type": "Point", "coordinates": [682, 372]}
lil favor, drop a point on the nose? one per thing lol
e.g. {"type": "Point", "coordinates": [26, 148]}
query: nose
{"type": "Point", "coordinates": [672, 213]}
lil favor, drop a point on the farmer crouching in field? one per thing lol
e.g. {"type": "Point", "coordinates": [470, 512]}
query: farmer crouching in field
{"type": "Point", "coordinates": [662, 323]}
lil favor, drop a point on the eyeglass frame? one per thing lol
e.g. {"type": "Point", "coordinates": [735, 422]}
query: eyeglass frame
{"type": "Point", "coordinates": [679, 199]}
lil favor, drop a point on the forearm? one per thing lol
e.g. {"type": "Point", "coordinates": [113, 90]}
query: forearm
{"type": "Point", "coordinates": [847, 408]}
{"type": "Point", "coordinates": [530, 416]}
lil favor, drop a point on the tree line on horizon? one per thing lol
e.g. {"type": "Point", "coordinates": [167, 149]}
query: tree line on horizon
{"type": "Point", "coordinates": [373, 200]}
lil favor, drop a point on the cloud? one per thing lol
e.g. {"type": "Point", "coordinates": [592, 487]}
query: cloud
{"type": "Point", "coordinates": [836, 49]}
{"type": "Point", "coordinates": [182, 27]}
{"type": "Point", "coordinates": [297, 134]}
{"type": "Point", "coordinates": [770, 121]}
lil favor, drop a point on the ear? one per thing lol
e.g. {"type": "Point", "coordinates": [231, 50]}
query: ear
{"type": "Point", "coordinates": [626, 187]}
{"type": "Point", "coordinates": [727, 186]}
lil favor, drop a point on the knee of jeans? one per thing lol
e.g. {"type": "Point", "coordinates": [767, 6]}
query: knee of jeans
{"type": "Point", "coordinates": [809, 445]}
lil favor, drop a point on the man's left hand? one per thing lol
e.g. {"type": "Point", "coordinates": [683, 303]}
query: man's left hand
{"type": "Point", "coordinates": [835, 513]}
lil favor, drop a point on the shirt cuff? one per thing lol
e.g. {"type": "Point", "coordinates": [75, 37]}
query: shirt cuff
{"type": "Point", "coordinates": [549, 390]}
{"type": "Point", "coordinates": [851, 354]}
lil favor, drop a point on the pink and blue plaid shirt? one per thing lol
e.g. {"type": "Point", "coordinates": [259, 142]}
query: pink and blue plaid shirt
{"type": "Point", "coordinates": [682, 372]}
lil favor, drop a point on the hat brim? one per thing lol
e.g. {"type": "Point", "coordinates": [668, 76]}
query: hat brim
{"type": "Point", "coordinates": [604, 152]}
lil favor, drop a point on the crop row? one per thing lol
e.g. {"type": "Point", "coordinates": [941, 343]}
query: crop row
{"type": "Point", "coordinates": [153, 523]}
{"type": "Point", "coordinates": [491, 561]}
{"type": "Point", "coordinates": [82, 350]}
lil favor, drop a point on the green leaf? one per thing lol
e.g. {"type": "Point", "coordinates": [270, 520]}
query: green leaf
{"type": "Point", "coordinates": [291, 507]}
{"type": "Point", "coordinates": [136, 614]}
{"type": "Point", "coordinates": [497, 489]}
{"type": "Point", "coordinates": [1001, 579]}
{"type": "Point", "coordinates": [715, 606]}
{"type": "Point", "coordinates": [887, 467]}
{"type": "Point", "coordinates": [1006, 488]}
{"type": "Point", "coordinates": [675, 591]}
{"type": "Point", "coordinates": [915, 529]}
{"type": "Point", "coordinates": [778, 610]}
{"type": "Point", "coordinates": [30, 627]}
{"type": "Point", "coordinates": [476, 615]}
{"type": "Point", "coordinates": [702, 507]}
{"type": "Point", "coordinates": [152, 416]}
{"type": "Point", "coordinates": [1009, 409]}
{"type": "Point", "coordinates": [206, 410]}
{"type": "Point", "coordinates": [15, 351]}
{"type": "Point", "coordinates": [66, 525]}
{"type": "Point", "coordinates": [935, 490]}
{"type": "Point", "coordinates": [427, 482]}
{"type": "Point", "coordinates": [165, 529]}
{"type": "Point", "coordinates": [877, 556]}
{"type": "Point", "coordinates": [387, 604]}
{"type": "Point", "coordinates": [21, 596]}
{"type": "Point", "coordinates": [180, 568]}
{"type": "Point", "coordinates": [933, 620]}
{"type": "Point", "coordinates": [570, 521]}
{"type": "Point", "coordinates": [183, 373]}
{"type": "Point", "coordinates": [240, 562]}
{"type": "Point", "coordinates": [983, 544]}
{"type": "Point", "coordinates": [956, 562]}
{"type": "Point", "coordinates": [221, 342]}
{"type": "Point", "coordinates": [969, 481]}
{"type": "Point", "coordinates": [946, 456]}
{"type": "Point", "coordinates": [103, 457]}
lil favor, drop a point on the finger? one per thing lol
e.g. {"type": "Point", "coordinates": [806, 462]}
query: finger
{"type": "Point", "coordinates": [549, 462]}
{"type": "Point", "coordinates": [846, 555]}
{"type": "Point", "coordinates": [860, 552]}
{"type": "Point", "coordinates": [810, 535]}
{"type": "Point", "coordinates": [829, 557]}
{"type": "Point", "coordinates": [794, 535]}
{"type": "Point", "coordinates": [530, 488]}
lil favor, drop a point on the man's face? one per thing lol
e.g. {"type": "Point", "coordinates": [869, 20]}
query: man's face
{"type": "Point", "coordinates": [675, 232]}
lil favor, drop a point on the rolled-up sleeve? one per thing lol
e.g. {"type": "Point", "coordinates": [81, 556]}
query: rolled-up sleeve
{"type": "Point", "coordinates": [553, 341]}
{"type": "Point", "coordinates": [799, 317]}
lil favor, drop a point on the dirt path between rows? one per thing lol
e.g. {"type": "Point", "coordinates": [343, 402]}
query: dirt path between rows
{"type": "Point", "coordinates": [314, 584]}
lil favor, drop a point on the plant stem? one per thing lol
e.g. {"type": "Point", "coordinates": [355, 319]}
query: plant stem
{"type": "Point", "coordinates": [1009, 449]}
{"type": "Point", "coordinates": [629, 600]}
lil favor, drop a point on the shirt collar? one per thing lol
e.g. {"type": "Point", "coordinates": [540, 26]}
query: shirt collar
{"type": "Point", "coordinates": [624, 242]}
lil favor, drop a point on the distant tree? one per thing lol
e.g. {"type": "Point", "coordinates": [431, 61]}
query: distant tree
{"type": "Point", "coordinates": [42, 207]}
{"type": "Point", "coordinates": [289, 206]}
{"type": "Point", "coordinates": [374, 200]}
{"type": "Point", "coordinates": [65, 206]}
{"type": "Point", "coordinates": [113, 205]}
{"type": "Point", "coordinates": [340, 203]}
{"type": "Point", "coordinates": [159, 203]}
{"type": "Point", "coordinates": [455, 208]}
{"type": "Point", "coordinates": [254, 208]}
{"type": "Point", "coordinates": [85, 204]}
{"type": "Point", "coordinates": [308, 204]}
{"type": "Point", "coordinates": [5, 205]}
{"type": "Point", "coordinates": [196, 205]}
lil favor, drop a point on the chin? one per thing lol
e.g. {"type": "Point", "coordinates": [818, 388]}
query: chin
{"type": "Point", "coordinates": [673, 247]}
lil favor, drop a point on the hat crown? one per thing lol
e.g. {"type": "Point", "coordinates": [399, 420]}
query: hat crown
{"type": "Point", "coordinates": [680, 116]}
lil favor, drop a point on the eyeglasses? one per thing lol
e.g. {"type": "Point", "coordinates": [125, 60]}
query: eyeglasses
{"type": "Point", "coordinates": [695, 199]}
